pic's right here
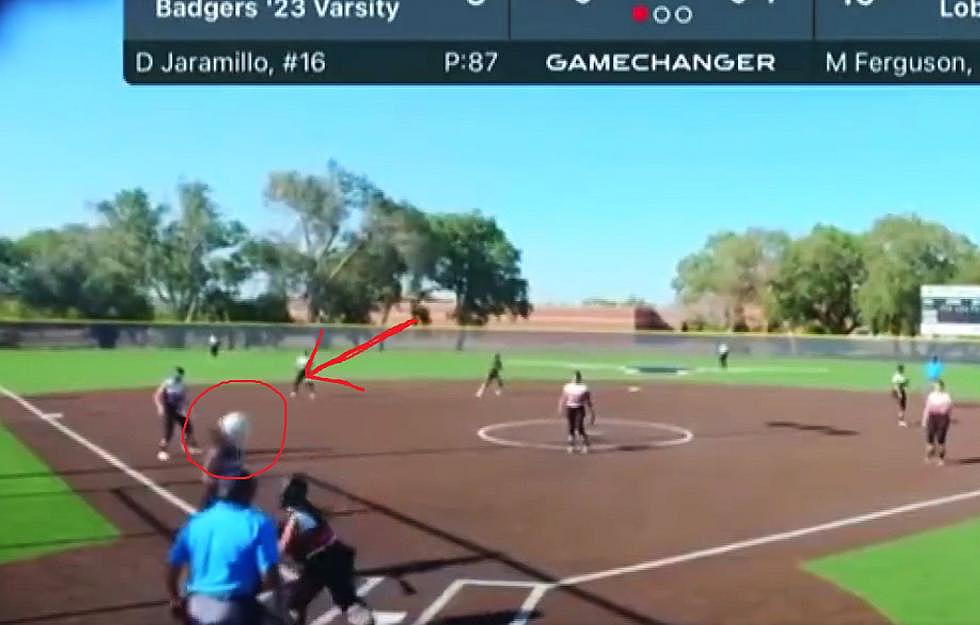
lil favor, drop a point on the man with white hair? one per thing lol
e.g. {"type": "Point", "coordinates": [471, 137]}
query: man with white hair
{"type": "Point", "coordinates": [227, 455]}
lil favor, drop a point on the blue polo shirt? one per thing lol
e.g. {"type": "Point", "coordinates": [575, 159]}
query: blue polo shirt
{"type": "Point", "coordinates": [934, 370]}
{"type": "Point", "coordinates": [228, 548]}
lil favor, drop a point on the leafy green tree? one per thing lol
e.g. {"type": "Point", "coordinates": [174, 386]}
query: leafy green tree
{"type": "Point", "coordinates": [192, 263]}
{"type": "Point", "coordinates": [133, 225]}
{"type": "Point", "coordinates": [969, 270]}
{"type": "Point", "coordinates": [350, 248]}
{"type": "Point", "coordinates": [11, 266]}
{"type": "Point", "coordinates": [393, 264]}
{"type": "Point", "coordinates": [269, 307]}
{"type": "Point", "coordinates": [901, 254]}
{"type": "Point", "coordinates": [72, 273]}
{"type": "Point", "coordinates": [400, 254]}
{"type": "Point", "coordinates": [197, 253]}
{"type": "Point", "coordinates": [480, 266]}
{"type": "Point", "coordinates": [279, 263]}
{"type": "Point", "coordinates": [222, 300]}
{"type": "Point", "coordinates": [735, 268]}
{"type": "Point", "coordinates": [817, 281]}
{"type": "Point", "coordinates": [320, 245]}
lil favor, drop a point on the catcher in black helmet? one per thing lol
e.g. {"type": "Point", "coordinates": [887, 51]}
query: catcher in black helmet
{"type": "Point", "coordinates": [325, 561]}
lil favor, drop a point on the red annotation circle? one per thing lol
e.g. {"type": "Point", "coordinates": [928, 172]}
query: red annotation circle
{"type": "Point", "coordinates": [641, 13]}
{"type": "Point", "coordinates": [282, 441]}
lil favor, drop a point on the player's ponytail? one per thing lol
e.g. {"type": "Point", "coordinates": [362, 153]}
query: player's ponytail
{"type": "Point", "coordinates": [295, 495]}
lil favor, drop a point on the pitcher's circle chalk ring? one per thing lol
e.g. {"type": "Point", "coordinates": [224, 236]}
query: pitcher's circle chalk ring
{"type": "Point", "coordinates": [490, 434]}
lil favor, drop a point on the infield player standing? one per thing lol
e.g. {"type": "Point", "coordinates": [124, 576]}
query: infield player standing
{"type": "Point", "coordinates": [723, 352]}
{"type": "Point", "coordinates": [575, 399]}
{"type": "Point", "coordinates": [171, 399]}
{"type": "Point", "coordinates": [496, 366]}
{"type": "Point", "coordinates": [936, 418]}
{"type": "Point", "coordinates": [900, 391]}
{"type": "Point", "coordinates": [301, 375]}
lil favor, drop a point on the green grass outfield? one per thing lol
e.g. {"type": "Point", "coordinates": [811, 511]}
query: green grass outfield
{"type": "Point", "coordinates": [40, 513]}
{"type": "Point", "coordinates": [45, 371]}
{"type": "Point", "coordinates": [923, 579]}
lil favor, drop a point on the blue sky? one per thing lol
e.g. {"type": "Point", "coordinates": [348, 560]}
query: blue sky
{"type": "Point", "coordinates": [604, 189]}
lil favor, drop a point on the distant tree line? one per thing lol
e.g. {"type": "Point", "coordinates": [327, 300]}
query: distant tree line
{"type": "Point", "coordinates": [829, 281]}
{"type": "Point", "coordinates": [340, 245]}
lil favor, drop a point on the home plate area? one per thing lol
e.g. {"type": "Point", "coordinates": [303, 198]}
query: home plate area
{"type": "Point", "coordinates": [469, 601]}
{"type": "Point", "coordinates": [412, 572]}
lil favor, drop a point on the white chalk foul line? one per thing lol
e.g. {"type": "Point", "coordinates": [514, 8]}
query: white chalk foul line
{"type": "Point", "coordinates": [531, 602]}
{"type": "Point", "coordinates": [54, 420]}
{"type": "Point", "coordinates": [441, 601]}
{"type": "Point", "coordinates": [536, 592]}
{"type": "Point", "coordinates": [366, 586]}
{"type": "Point", "coordinates": [769, 539]}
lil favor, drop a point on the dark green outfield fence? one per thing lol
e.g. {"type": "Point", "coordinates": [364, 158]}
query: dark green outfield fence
{"type": "Point", "coordinates": [109, 335]}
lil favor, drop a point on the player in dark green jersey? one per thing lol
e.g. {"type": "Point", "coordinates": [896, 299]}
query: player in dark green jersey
{"type": "Point", "coordinates": [496, 366]}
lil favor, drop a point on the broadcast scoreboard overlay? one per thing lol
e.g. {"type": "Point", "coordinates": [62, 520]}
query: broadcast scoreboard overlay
{"type": "Point", "coordinates": [951, 310]}
{"type": "Point", "coordinates": [552, 41]}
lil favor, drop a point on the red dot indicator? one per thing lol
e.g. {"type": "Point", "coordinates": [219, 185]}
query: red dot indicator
{"type": "Point", "coordinates": [641, 13]}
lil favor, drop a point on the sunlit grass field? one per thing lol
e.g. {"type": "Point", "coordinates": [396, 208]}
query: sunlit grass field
{"type": "Point", "coordinates": [40, 513]}
{"type": "Point", "coordinates": [51, 371]}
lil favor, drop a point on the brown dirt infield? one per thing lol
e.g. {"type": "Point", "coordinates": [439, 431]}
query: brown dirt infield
{"type": "Point", "coordinates": [427, 503]}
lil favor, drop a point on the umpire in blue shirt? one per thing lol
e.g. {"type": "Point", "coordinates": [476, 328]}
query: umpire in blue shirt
{"type": "Point", "coordinates": [934, 369]}
{"type": "Point", "coordinates": [231, 554]}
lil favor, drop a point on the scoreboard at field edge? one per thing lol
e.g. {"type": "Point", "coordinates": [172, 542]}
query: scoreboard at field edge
{"type": "Point", "coordinates": [950, 310]}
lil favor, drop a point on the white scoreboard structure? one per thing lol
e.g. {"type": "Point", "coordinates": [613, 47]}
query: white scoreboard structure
{"type": "Point", "coordinates": [950, 310]}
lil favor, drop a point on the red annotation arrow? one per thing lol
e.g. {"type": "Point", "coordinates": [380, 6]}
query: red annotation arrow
{"type": "Point", "coordinates": [387, 334]}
